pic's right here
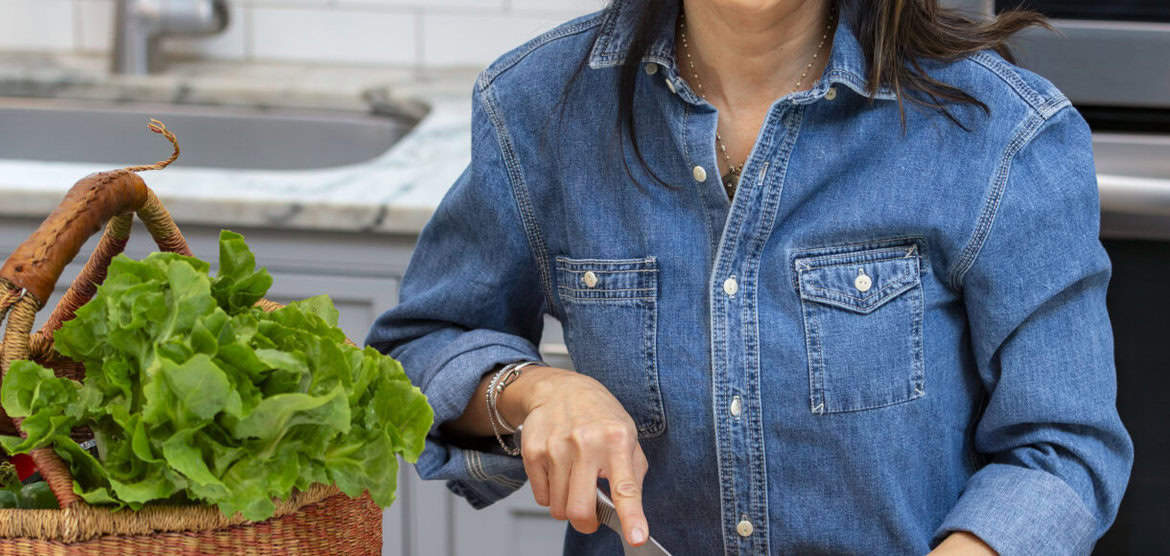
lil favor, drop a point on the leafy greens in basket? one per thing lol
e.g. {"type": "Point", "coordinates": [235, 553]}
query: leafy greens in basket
{"type": "Point", "coordinates": [195, 394]}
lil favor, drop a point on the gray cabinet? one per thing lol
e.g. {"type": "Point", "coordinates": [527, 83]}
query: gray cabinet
{"type": "Point", "coordinates": [361, 273]}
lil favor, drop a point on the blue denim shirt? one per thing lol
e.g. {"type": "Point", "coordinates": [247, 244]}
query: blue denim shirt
{"type": "Point", "coordinates": [887, 336]}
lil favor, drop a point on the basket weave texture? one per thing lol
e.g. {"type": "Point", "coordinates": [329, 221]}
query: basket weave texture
{"type": "Point", "coordinates": [320, 520]}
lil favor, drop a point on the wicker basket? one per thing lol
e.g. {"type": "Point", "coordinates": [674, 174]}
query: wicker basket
{"type": "Point", "coordinates": [320, 520]}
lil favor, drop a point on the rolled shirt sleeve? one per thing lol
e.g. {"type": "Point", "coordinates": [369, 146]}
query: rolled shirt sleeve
{"type": "Point", "coordinates": [1058, 455]}
{"type": "Point", "coordinates": [470, 299]}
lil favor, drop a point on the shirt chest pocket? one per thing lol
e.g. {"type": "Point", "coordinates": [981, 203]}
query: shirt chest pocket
{"type": "Point", "coordinates": [611, 327]}
{"type": "Point", "coordinates": [862, 314]}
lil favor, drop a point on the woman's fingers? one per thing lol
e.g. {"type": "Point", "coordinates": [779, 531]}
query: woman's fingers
{"type": "Point", "coordinates": [581, 507]}
{"type": "Point", "coordinates": [534, 451]}
{"type": "Point", "coordinates": [627, 468]}
{"type": "Point", "coordinates": [560, 465]}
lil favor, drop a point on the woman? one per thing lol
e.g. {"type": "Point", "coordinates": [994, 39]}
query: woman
{"type": "Point", "coordinates": [828, 272]}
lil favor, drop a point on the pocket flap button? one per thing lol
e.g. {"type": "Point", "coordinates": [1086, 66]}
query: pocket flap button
{"type": "Point", "coordinates": [589, 278]}
{"type": "Point", "coordinates": [862, 282]}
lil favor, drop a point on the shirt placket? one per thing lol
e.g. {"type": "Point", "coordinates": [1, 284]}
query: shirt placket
{"type": "Point", "coordinates": [733, 295]}
{"type": "Point", "coordinates": [698, 129]}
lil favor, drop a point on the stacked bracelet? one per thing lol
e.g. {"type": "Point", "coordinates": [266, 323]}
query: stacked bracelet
{"type": "Point", "coordinates": [500, 380]}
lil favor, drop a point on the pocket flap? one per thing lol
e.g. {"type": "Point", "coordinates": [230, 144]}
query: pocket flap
{"type": "Point", "coordinates": [860, 281]}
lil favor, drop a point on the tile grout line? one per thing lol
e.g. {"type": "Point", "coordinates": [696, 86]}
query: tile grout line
{"type": "Point", "coordinates": [77, 30]}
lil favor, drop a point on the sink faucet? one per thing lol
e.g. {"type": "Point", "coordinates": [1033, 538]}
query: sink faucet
{"type": "Point", "coordinates": [139, 24]}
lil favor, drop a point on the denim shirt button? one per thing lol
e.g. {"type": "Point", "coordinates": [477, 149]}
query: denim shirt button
{"type": "Point", "coordinates": [744, 528]}
{"type": "Point", "coordinates": [730, 286]}
{"type": "Point", "coordinates": [862, 282]}
{"type": "Point", "coordinates": [700, 174]}
{"type": "Point", "coordinates": [831, 93]}
{"type": "Point", "coordinates": [651, 68]}
{"type": "Point", "coordinates": [736, 406]}
{"type": "Point", "coordinates": [590, 279]}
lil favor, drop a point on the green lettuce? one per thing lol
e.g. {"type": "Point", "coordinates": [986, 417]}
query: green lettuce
{"type": "Point", "coordinates": [196, 395]}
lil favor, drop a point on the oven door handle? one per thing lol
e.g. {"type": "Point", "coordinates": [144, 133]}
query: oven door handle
{"type": "Point", "coordinates": [1134, 195]}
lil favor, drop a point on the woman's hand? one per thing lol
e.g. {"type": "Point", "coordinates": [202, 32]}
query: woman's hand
{"type": "Point", "coordinates": [575, 431]}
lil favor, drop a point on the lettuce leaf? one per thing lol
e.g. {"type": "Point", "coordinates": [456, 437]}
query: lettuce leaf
{"type": "Point", "coordinates": [196, 395]}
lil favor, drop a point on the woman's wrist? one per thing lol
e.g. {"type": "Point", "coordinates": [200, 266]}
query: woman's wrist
{"type": "Point", "coordinates": [522, 394]}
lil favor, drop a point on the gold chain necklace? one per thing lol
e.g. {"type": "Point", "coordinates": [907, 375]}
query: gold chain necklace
{"type": "Point", "coordinates": [731, 178]}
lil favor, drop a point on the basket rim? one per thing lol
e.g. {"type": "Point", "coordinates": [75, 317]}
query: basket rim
{"type": "Point", "coordinates": [81, 522]}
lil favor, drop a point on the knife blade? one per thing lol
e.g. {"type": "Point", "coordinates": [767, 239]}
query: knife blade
{"type": "Point", "coordinates": [607, 514]}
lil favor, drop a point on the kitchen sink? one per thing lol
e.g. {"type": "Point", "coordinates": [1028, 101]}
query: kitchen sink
{"type": "Point", "coordinates": [113, 134]}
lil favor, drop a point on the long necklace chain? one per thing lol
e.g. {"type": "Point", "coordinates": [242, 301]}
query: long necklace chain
{"type": "Point", "coordinates": [731, 178]}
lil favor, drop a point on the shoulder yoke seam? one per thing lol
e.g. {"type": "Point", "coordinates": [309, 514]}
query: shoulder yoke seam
{"type": "Point", "coordinates": [519, 53]}
{"type": "Point", "coordinates": [1044, 106]}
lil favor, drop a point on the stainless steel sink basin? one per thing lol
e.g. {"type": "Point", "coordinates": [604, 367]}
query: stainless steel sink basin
{"type": "Point", "coordinates": [115, 134]}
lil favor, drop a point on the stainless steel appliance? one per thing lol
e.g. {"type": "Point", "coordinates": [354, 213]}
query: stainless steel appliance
{"type": "Point", "coordinates": [1113, 60]}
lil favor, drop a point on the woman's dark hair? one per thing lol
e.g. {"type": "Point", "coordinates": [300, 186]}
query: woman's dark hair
{"type": "Point", "coordinates": [895, 35]}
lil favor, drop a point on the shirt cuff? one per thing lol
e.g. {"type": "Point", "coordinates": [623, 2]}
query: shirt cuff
{"type": "Point", "coordinates": [1016, 510]}
{"type": "Point", "coordinates": [468, 358]}
{"type": "Point", "coordinates": [494, 476]}
{"type": "Point", "coordinates": [482, 477]}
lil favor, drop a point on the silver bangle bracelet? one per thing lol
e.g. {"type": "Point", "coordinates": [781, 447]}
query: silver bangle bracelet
{"type": "Point", "coordinates": [501, 379]}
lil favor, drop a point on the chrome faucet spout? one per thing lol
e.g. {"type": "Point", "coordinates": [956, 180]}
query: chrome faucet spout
{"type": "Point", "coordinates": [141, 24]}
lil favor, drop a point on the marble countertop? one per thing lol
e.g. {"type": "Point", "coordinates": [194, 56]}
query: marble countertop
{"type": "Point", "coordinates": [395, 192]}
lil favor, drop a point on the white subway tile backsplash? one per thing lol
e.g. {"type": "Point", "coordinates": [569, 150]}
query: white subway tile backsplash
{"type": "Point", "coordinates": [458, 40]}
{"type": "Point", "coordinates": [36, 25]}
{"type": "Point", "coordinates": [325, 35]}
{"type": "Point", "coordinates": [446, 5]}
{"type": "Point", "coordinates": [284, 3]}
{"type": "Point", "coordinates": [228, 44]}
{"type": "Point", "coordinates": [579, 7]}
{"type": "Point", "coordinates": [95, 25]}
{"type": "Point", "coordinates": [424, 33]}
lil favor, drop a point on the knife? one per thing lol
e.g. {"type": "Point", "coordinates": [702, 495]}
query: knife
{"type": "Point", "coordinates": [607, 514]}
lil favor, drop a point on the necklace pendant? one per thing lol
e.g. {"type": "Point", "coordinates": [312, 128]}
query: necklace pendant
{"type": "Point", "coordinates": [730, 180]}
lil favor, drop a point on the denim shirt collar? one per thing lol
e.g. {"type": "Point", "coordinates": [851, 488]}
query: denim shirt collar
{"type": "Point", "coordinates": [847, 63]}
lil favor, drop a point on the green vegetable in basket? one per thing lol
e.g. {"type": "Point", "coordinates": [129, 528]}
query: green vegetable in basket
{"type": "Point", "coordinates": [35, 495]}
{"type": "Point", "coordinates": [195, 394]}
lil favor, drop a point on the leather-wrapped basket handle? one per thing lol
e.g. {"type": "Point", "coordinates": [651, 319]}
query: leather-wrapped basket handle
{"type": "Point", "coordinates": [37, 264]}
